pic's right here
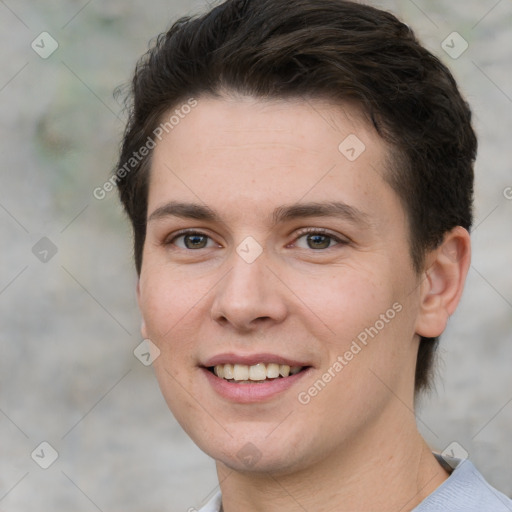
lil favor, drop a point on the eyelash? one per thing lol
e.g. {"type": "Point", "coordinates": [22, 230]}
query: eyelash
{"type": "Point", "coordinates": [300, 234]}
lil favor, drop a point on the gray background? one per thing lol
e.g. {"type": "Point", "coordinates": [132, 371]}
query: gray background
{"type": "Point", "coordinates": [69, 326]}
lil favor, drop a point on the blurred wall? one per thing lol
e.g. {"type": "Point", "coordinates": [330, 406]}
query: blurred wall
{"type": "Point", "coordinates": [69, 322]}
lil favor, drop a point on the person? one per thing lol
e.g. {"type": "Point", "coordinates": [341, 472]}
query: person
{"type": "Point", "coordinates": [299, 179]}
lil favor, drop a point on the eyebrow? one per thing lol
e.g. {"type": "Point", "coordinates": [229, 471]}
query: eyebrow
{"type": "Point", "coordinates": [281, 214]}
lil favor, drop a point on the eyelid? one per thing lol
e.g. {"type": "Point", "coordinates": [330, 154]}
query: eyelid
{"type": "Point", "coordinates": [342, 240]}
{"type": "Point", "coordinates": [188, 231]}
{"type": "Point", "coordinates": [322, 231]}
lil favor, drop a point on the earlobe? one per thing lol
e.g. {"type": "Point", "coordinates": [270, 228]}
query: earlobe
{"type": "Point", "coordinates": [443, 283]}
{"type": "Point", "coordinates": [137, 289]}
{"type": "Point", "coordinates": [143, 329]}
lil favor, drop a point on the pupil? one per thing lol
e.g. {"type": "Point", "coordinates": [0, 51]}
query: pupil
{"type": "Point", "coordinates": [195, 240]}
{"type": "Point", "coordinates": [318, 239]}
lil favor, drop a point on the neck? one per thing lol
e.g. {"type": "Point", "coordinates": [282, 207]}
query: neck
{"type": "Point", "coordinates": [385, 469]}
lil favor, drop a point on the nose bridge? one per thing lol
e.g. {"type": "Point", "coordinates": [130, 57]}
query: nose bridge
{"type": "Point", "coordinates": [249, 291]}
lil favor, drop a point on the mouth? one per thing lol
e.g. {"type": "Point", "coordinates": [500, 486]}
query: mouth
{"type": "Point", "coordinates": [256, 373]}
{"type": "Point", "coordinates": [251, 378]}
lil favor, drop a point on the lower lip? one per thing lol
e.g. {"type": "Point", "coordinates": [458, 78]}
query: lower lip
{"type": "Point", "coordinates": [251, 393]}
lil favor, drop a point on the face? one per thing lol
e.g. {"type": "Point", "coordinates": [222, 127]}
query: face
{"type": "Point", "coordinates": [274, 242]}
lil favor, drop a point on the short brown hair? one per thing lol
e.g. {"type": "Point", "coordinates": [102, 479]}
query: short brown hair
{"type": "Point", "coordinates": [333, 49]}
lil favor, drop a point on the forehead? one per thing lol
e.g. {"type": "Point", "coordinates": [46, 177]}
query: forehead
{"type": "Point", "coordinates": [306, 124]}
{"type": "Point", "coordinates": [253, 154]}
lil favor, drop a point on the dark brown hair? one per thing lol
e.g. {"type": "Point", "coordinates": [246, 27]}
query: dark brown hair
{"type": "Point", "coordinates": [331, 49]}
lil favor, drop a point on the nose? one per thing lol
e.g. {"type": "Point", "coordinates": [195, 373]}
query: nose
{"type": "Point", "coordinates": [249, 296]}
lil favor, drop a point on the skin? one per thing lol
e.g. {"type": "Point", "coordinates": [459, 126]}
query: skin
{"type": "Point", "coordinates": [355, 445]}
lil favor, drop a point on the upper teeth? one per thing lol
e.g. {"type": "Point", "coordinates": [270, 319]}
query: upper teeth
{"type": "Point", "coordinates": [258, 371]}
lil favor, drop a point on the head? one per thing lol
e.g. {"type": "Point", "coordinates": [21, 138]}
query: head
{"type": "Point", "coordinates": [260, 100]}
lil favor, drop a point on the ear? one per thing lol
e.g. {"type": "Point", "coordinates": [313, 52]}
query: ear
{"type": "Point", "coordinates": [143, 329]}
{"type": "Point", "coordinates": [443, 281]}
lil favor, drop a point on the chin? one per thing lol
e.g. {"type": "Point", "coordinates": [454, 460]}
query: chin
{"type": "Point", "coordinates": [257, 453]}
{"type": "Point", "coordinates": [254, 461]}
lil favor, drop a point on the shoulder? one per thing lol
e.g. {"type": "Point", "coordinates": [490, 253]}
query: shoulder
{"type": "Point", "coordinates": [465, 490]}
{"type": "Point", "coordinates": [213, 505]}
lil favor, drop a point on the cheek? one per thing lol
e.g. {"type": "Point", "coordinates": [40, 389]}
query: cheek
{"type": "Point", "coordinates": [368, 325]}
{"type": "Point", "coordinates": [346, 301]}
{"type": "Point", "coordinates": [374, 326]}
{"type": "Point", "coordinates": [167, 305]}
{"type": "Point", "coordinates": [165, 301]}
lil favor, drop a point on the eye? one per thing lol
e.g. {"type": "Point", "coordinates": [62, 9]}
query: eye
{"type": "Point", "coordinates": [315, 238]}
{"type": "Point", "coordinates": [318, 239]}
{"type": "Point", "coordinates": [190, 240]}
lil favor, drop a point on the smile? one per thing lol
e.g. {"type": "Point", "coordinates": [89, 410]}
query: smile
{"type": "Point", "coordinates": [260, 372]}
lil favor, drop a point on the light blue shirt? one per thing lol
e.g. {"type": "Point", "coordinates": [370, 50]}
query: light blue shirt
{"type": "Point", "coordinates": [465, 490]}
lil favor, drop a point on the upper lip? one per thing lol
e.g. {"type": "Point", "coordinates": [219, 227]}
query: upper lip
{"type": "Point", "coordinates": [251, 359]}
